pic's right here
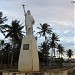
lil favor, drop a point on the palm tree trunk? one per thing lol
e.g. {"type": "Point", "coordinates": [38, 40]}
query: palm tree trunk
{"type": "Point", "coordinates": [47, 59]}
{"type": "Point", "coordinates": [11, 60]}
{"type": "Point", "coordinates": [59, 54]}
{"type": "Point", "coordinates": [45, 38]}
{"type": "Point", "coordinates": [1, 60]}
{"type": "Point", "coordinates": [8, 59]}
{"type": "Point", "coordinates": [1, 63]}
{"type": "Point", "coordinates": [54, 52]}
{"type": "Point", "coordinates": [12, 54]}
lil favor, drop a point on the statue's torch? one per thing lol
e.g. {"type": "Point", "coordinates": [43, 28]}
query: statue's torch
{"type": "Point", "coordinates": [24, 9]}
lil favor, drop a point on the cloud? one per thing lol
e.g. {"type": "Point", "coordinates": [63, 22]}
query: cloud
{"type": "Point", "coordinates": [57, 13]}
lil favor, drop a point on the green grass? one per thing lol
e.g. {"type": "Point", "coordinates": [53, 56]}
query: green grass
{"type": "Point", "coordinates": [71, 73]}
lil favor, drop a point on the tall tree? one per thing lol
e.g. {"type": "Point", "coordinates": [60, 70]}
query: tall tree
{"type": "Point", "coordinates": [60, 50]}
{"type": "Point", "coordinates": [69, 53]}
{"type": "Point", "coordinates": [44, 30]}
{"type": "Point", "coordinates": [2, 51]}
{"type": "Point", "coordinates": [15, 32]}
{"type": "Point", "coordinates": [7, 53]}
{"type": "Point", "coordinates": [2, 20]}
{"type": "Point", "coordinates": [53, 43]}
{"type": "Point", "coordinates": [44, 53]}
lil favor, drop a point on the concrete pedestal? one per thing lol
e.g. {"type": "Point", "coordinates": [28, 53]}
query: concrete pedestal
{"type": "Point", "coordinates": [22, 73]}
{"type": "Point", "coordinates": [28, 58]}
{"type": "Point", "coordinates": [59, 73]}
{"type": "Point", "coordinates": [35, 73]}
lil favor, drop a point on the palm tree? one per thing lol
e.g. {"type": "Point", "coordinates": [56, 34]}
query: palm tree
{"type": "Point", "coordinates": [7, 52]}
{"type": "Point", "coordinates": [53, 43]}
{"type": "Point", "coordinates": [60, 50]}
{"type": "Point", "coordinates": [2, 20]}
{"type": "Point", "coordinates": [14, 31]}
{"type": "Point", "coordinates": [2, 51]}
{"type": "Point", "coordinates": [44, 30]}
{"type": "Point", "coordinates": [44, 52]}
{"type": "Point", "coordinates": [69, 53]}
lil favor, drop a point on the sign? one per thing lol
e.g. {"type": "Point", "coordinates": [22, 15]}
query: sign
{"type": "Point", "coordinates": [25, 46]}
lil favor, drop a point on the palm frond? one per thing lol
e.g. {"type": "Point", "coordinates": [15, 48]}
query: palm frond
{"type": "Point", "coordinates": [2, 32]}
{"type": "Point", "coordinates": [21, 28]}
{"type": "Point", "coordinates": [8, 34]}
{"type": "Point", "coordinates": [39, 28]}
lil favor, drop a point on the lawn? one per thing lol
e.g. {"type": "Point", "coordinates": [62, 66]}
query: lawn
{"type": "Point", "coordinates": [71, 73]}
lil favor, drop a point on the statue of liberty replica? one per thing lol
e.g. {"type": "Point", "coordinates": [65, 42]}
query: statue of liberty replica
{"type": "Point", "coordinates": [28, 58]}
{"type": "Point", "coordinates": [29, 21]}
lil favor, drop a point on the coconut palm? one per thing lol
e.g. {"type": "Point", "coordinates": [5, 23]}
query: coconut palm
{"type": "Point", "coordinates": [44, 30]}
{"type": "Point", "coordinates": [69, 53]}
{"type": "Point", "coordinates": [7, 53]}
{"type": "Point", "coordinates": [60, 50]}
{"type": "Point", "coordinates": [15, 32]}
{"type": "Point", "coordinates": [2, 20]}
{"type": "Point", "coordinates": [2, 51]}
{"type": "Point", "coordinates": [53, 43]}
{"type": "Point", "coordinates": [44, 52]}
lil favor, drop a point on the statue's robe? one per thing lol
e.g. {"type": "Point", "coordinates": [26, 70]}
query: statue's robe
{"type": "Point", "coordinates": [29, 21]}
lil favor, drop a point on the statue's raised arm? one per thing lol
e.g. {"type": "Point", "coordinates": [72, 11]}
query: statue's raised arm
{"type": "Point", "coordinates": [29, 21]}
{"type": "Point", "coordinates": [24, 10]}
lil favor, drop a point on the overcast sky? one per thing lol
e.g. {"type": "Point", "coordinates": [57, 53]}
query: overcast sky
{"type": "Point", "coordinates": [59, 14]}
